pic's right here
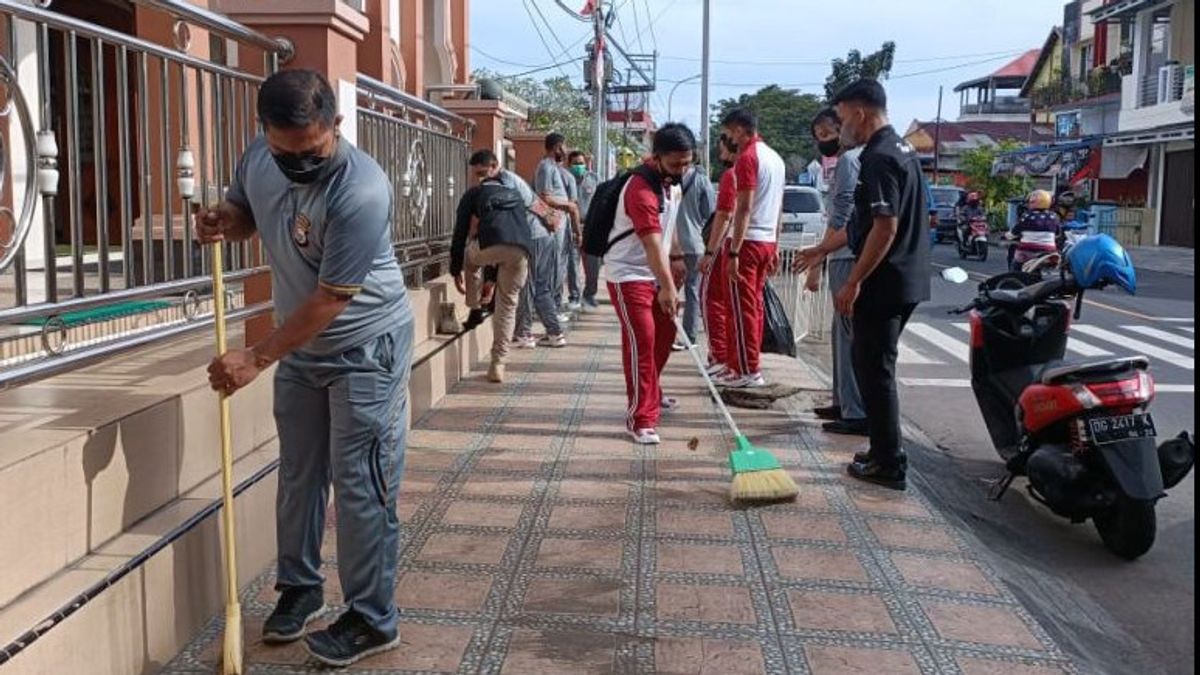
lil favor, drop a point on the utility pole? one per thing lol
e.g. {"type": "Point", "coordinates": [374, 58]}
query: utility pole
{"type": "Point", "coordinates": [937, 140]}
{"type": "Point", "coordinates": [599, 86]}
{"type": "Point", "coordinates": [704, 131]}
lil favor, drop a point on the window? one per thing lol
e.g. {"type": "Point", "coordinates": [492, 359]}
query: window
{"type": "Point", "coordinates": [945, 197]}
{"type": "Point", "coordinates": [1086, 56]}
{"type": "Point", "coordinates": [801, 201]}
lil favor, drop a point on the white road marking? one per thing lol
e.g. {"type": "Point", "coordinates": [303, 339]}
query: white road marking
{"type": "Point", "coordinates": [962, 383]}
{"type": "Point", "coordinates": [1078, 346]}
{"type": "Point", "coordinates": [1163, 335]}
{"type": "Point", "coordinates": [956, 348]}
{"type": "Point", "coordinates": [910, 356]}
{"type": "Point", "coordinates": [1167, 356]}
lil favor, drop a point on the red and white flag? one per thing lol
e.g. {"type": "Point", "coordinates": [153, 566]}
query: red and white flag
{"type": "Point", "coordinates": [588, 8]}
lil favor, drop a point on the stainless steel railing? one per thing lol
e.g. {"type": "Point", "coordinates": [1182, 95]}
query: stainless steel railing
{"type": "Point", "coordinates": [423, 148]}
{"type": "Point", "coordinates": [111, 139]}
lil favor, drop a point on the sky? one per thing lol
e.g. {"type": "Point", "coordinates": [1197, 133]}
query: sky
{"type": "Point", "coordinates": [788, 42]}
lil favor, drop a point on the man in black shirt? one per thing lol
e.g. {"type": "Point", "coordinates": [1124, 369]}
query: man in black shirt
{"type": "Point", "coordinates": [891, 276]}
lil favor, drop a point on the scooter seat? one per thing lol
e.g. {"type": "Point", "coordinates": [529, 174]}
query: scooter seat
{"type": "Point", "coordinates": [1058, 372]}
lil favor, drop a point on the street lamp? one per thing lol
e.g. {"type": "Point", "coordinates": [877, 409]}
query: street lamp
{"type": "Point", "coordinates": [671, 96]}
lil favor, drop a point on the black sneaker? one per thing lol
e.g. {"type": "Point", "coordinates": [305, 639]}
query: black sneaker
{"type": "Point", "coordinates": [829, 412]}
{"type": "Point", "coordinates": [348, 640]}
{"type": "Point", "coordinates": [874, 472]}
{"type": "Point", "coordinates": [848, 427]}
{"type": "Point", "coordinates": [297, 607]}
{"type": "Point", "coordinates": [865, 458]}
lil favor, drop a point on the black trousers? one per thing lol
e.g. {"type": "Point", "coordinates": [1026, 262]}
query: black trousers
{"type": "Point", "coordinates": [874, 350]}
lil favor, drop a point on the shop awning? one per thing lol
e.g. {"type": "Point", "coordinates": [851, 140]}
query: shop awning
{"type": "Point", "coordinates": [1122, 160]}
{"type": "Point", "coordinates": [1123, 9]}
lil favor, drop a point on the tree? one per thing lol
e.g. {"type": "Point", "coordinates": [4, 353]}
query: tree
{"type": "Point", "coordinates": [856, 66]}
{"type": "Point", "coordinates": [555, 105]}
{"type": "Point", "coordinates": [976, 165]}
{"type": "Point", "coordinates": [783, 121]}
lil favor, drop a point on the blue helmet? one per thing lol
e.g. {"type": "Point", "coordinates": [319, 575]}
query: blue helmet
{"type": "Point", "coordinates": [1098, 259]}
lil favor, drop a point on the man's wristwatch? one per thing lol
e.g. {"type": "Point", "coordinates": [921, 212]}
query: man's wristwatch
{"type": "Point", "coordinates": [733, 253]}
{"type": "Point", "coordinates": [676, 258]}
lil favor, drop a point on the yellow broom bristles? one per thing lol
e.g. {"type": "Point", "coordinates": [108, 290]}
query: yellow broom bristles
{"type": "Point", "coordinates": [763, 486]}
{"type": "Point", "coordinates": [231, 659]}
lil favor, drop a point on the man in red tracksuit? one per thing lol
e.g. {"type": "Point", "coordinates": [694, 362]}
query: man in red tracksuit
{"type": "Point", "coordinates": [642, 267]}
{"type": "Point", "coordinates": [715, 287]}
{"type": "Point", "coordinates": [753, 252]}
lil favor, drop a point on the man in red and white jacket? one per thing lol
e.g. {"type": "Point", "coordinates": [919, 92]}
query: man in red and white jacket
{"type": "Point", "coordinates": [753, 251]}
{"type": "Point", "coordinates": [642, 269]}
{"type": "Point", "coordinates": [715, 287]}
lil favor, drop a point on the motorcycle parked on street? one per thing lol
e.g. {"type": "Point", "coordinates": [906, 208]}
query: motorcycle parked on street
{"type": "Point", "coordinates": [1081, 431]}
{"type": "Point", "coordinates": [972, 238]}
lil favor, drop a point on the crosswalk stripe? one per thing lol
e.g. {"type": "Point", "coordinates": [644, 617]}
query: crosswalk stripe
{"type": "Point", "coordinates": [1075, 345]}
{"type": "Point", "coordinates": [956, 348]}
{"type": "Point", "coordinates": [1134, 345]}
{"type": "Point", "coordinates": [910, 356]}
{"type": "Point", "coordinates": [1163, 335]}
{"type": "Point", "coordinates": [1188, 329]}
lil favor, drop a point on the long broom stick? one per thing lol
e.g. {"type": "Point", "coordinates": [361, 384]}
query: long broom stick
{"type": "Point", "coordinates": [231, 663]}
{"type": "Point", "coordinates": [757, 474]}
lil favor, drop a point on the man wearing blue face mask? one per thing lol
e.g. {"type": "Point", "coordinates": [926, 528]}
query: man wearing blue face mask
{"type": "Point", "coordinates": [343, 342]}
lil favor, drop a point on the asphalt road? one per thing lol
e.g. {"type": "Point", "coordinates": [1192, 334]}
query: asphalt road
{"type": "Point", "coordinates": [1113, 616]}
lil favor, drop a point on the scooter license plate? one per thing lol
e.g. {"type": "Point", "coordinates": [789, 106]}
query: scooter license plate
{"type": "Point", "coordinates": [1114, 428]}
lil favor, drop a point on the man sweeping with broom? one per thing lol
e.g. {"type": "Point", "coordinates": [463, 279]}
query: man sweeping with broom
{"type": "Point", "coordinates": [343, 343]}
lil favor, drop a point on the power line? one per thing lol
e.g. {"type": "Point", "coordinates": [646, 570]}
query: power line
{"type": "Point", "coordinates": [637, 25]}
{"type": "Point", "coordinates": [690, 59]}
{"type": "Point", "coordinates": [537, 29]}
{"type": "Point", "coordinates": [653, 35]}
{"type": "Point", "coordinates": [541, 68]}
{"type": "Point", "coordinates": [656, 17]}
{"type": "Point", "coordinates": [549, 26]}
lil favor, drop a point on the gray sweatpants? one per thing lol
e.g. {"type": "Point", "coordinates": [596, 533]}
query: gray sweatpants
{"type": "Point", "coordinates": [691, 296]}
{"type": "Point", "coordinates": [538, 295]}
{"type": "Point", "coordinates": [591, 276]}
{"type": "Point", "coordinates": [569, 264]}
{"type": "Point", "coordinates": [845, 386]}
{"type": "Point", "coordinates": [342, 421]}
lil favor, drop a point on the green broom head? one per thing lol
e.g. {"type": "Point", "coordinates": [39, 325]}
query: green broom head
{"type": "Point", "coordinates": [758, 476]}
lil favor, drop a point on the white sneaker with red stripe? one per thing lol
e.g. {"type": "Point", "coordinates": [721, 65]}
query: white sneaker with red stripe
{"type": "Point", "coordinates": [751, 381]}
{"type": "Point", "coordinates": [645, 437]}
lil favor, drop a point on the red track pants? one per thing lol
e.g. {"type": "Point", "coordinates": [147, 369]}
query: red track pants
{"type": "Point", "coordinates": [716, 307]}
{"type": "Point", "coordinates": [647, 334]}
{"type": "Point", "coordinates": [746, 306]}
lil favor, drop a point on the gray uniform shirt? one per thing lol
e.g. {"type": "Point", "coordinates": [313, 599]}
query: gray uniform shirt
{"type": "Point", "coordinates": [699, 202]}
{"type": "Point", "coordinates": [587, 189]}
{"type": "Point", "coordinates": [840, 197]}
{"type": "Point", "coordinates": [548, 179]}
{"type": "Point", "coordinates": [334, 233]}
{"type": "Point", "coordinates": [512, 181]}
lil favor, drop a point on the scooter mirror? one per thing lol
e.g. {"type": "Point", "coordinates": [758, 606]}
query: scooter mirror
{"type": "Point", "coordinates": [955, 275]}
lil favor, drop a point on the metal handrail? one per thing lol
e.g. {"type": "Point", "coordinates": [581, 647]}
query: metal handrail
{"type": "Point", "coordinates": [90, 30]}
{"type": "Point", "coordinates": [41, 369]}
{"type": "Point", "coordinates": [220, 24]}
{"type": "Point", "coordinates": [381, 91]}
{"type": "Point", "coordinates": [48, 309]}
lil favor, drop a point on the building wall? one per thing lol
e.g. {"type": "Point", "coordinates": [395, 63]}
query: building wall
{"type": "Point", "coordinates": [1183, 31]}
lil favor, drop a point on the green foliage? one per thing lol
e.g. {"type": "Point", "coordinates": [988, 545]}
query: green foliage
{"type": "Point", "coordinates": [976, 165]}
{"type": "Point", "coordinates": [555, 105]}
{"type": "Point", "coordinates": [783, 121]}
{"type": "Point", "coordinates": [877, 65]}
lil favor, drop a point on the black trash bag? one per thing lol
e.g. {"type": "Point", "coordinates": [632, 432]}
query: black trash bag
{"type": "Point", "coordinates": [778, 337]}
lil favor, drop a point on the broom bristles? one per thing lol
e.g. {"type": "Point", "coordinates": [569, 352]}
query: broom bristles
{"type": "Point", "coordinates": [231, 659]}
{"type": "Point", "coordinates": [763, 486]}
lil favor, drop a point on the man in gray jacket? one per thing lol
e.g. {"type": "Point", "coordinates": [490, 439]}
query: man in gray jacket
{"type": "Point", "coordinates": [846, 415]}
{"type": "Point", "coordinates": [697, 207]}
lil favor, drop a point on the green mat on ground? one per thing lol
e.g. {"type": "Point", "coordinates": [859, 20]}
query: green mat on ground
{"type": "Point", "coordinates": [106, 313]}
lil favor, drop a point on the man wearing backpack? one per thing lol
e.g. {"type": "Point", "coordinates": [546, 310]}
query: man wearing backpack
{"type": "Point", "coordinates": [641, 265]}
{"type": "Point", "coordinates": [491, 231]}
{"type": "Point", "coordinates": [695, 209]}
{"type": "Point", "coordinates": [537, 295]}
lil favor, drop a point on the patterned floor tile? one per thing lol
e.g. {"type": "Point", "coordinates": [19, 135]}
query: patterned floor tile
{"type": "Point", "coordinates": [846, 661]}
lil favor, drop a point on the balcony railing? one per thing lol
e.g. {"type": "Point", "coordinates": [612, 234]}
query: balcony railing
{"type": "Point", "coordinates": [114, 140]}
{"type": "Point", "coordinates": [1002, 106]}
{"type": "Point", "coordinates": [423, 148]}
{"type": "Point", "coordinates": [1161, 86]}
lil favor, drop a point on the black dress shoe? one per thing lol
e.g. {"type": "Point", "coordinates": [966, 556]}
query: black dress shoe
{"type": "Point", "coordinates": [865, 457]}
{"type": "Point", "coordinates": [892, 478]}
{"type": "Point", "coordinates": [848, 427]}
{"type": "Point", "coordinates": [829, 412]}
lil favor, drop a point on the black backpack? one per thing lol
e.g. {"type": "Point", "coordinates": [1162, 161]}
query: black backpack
{"type": "Point", "coordinates": [602, 213]}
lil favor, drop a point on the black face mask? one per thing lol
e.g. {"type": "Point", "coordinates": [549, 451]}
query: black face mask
{"type": "Point", "coordinates": [302, 169]}
{"type": "Point", "coordinates": [829, 148]}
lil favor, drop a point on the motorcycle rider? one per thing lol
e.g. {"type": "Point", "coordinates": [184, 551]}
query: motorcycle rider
{"type": "Point", "coordinates": [971, 209]}
{"type": "Point", "coordinates": [1037, 232]}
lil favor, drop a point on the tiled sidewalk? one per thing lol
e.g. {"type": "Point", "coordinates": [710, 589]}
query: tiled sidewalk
{"type": "Point", "coordinates": [538, 540]}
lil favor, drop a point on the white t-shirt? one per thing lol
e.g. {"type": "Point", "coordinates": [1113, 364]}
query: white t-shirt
{"type": "Point", "coordinates": [761, 169]}
{"type": "Point", "coordinates": [638, 210]}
